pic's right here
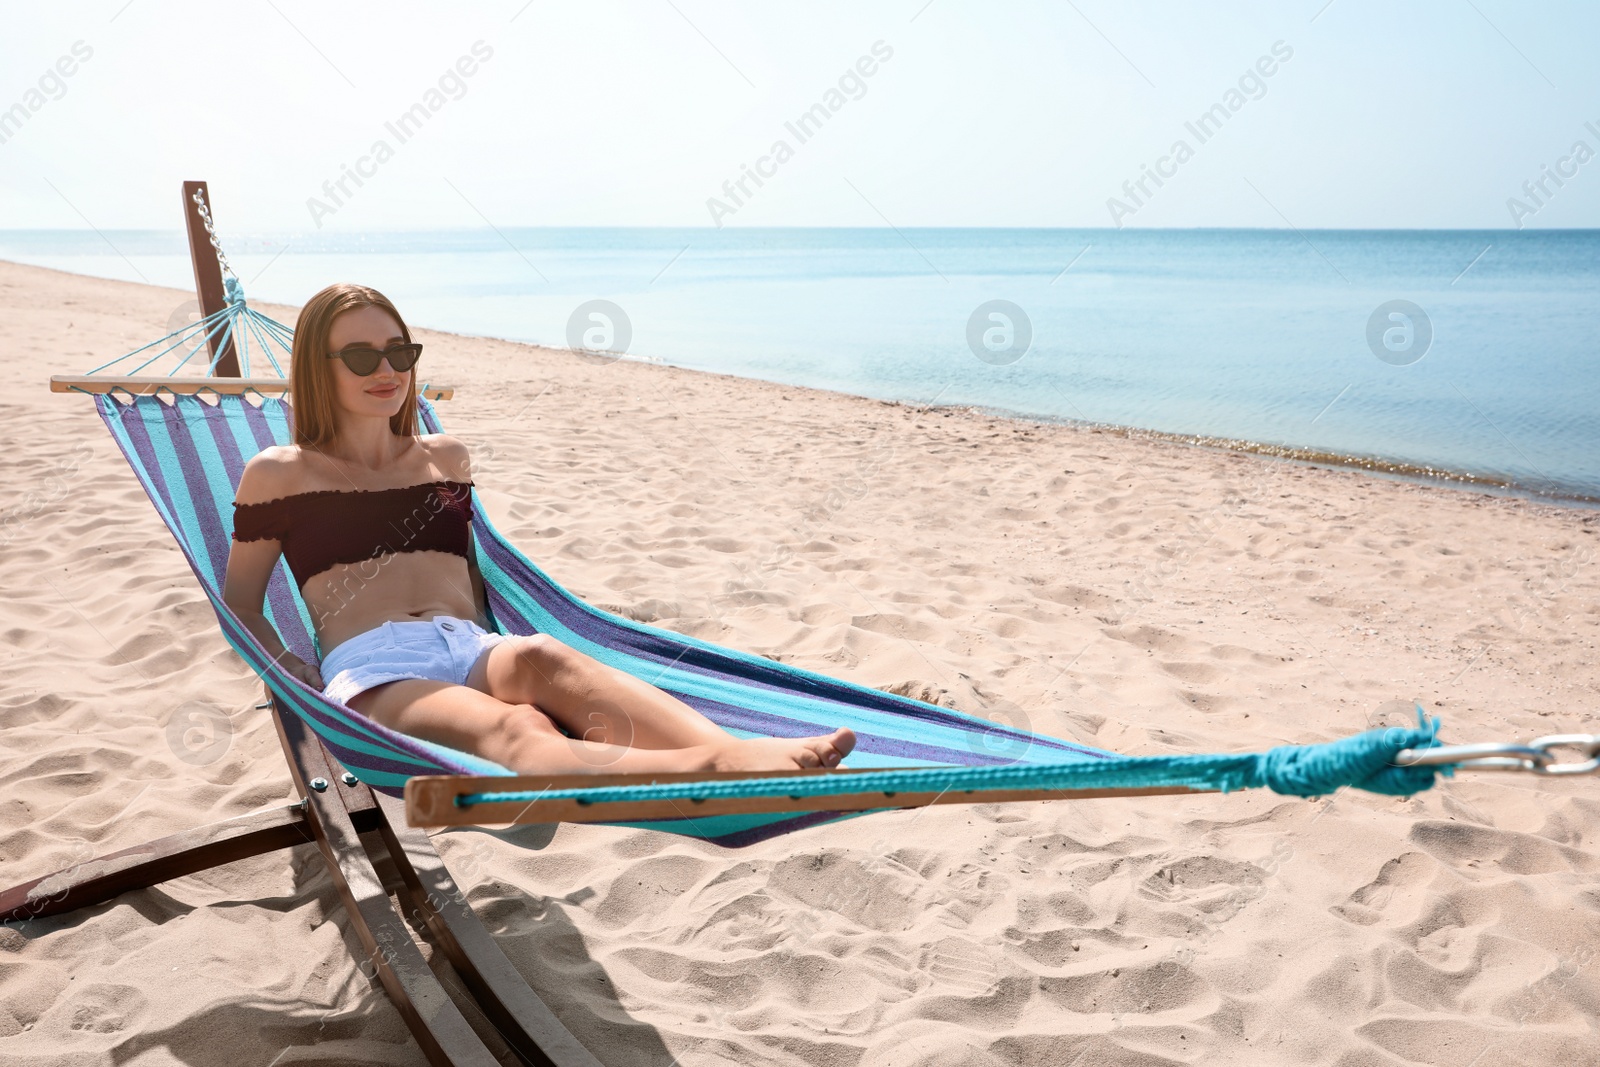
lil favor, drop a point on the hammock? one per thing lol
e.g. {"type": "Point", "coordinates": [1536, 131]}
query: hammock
{"type": "Point", "coordinates": [189, 453]}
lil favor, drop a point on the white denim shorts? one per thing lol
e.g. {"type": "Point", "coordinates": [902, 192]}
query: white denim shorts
{"type": "Point", "coordinates": [443, 648]}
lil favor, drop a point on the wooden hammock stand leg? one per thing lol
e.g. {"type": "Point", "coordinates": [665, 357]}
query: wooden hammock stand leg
{"type": "Point", "coordinates": [333, 817]}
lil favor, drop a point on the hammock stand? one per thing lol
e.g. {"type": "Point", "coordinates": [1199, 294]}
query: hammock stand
{"type": "Point", "coordinates": [351, 774]}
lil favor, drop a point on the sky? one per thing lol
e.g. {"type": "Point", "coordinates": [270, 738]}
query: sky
{"type": "Point", "coordinates": [1430, 114]}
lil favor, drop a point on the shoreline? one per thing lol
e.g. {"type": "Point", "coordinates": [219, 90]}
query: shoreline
{"type": "Point", "coordinates": [1369, 463]}
{"type": "Point", "coordinates": [1378, 466]}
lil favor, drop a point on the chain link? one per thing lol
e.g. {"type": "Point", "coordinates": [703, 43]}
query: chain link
{"type": "Point", "coordinates": [205, 217]}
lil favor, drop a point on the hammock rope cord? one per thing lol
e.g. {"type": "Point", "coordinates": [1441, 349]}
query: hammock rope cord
{"type": "Point", "coordinates": [1364, 761]}
{"type": "Point", "coordinates": [188, 454]}
{"type": "Point", "coordinates": [236, 320]}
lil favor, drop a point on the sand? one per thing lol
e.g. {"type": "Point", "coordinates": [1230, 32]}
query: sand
{"type": "Point", "coordinates": [1141, 596]}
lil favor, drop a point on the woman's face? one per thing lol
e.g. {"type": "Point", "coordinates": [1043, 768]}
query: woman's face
{"type": "Point", "coordinates": [383, 391]}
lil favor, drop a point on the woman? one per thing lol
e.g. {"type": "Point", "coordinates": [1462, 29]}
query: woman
{"type": "Point", "coordinates": [373, 519]}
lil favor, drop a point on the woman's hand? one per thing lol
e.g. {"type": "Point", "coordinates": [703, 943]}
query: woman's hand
{"type": "Point", "coordinates": [306, 673]}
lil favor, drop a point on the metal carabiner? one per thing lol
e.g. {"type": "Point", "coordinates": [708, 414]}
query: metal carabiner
{"type": "Point", "coordinates": [1590, 743]}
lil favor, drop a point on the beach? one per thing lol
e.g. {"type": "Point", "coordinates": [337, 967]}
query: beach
{"type": "Point", "coordinates": [1135, 594]}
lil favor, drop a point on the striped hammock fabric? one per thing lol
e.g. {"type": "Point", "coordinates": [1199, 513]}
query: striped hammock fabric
{"type": "Point", "coordinates": [188, 453]}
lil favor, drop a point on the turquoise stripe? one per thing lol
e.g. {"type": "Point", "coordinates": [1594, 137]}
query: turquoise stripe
{"type": "Point", "coordinates": [130, 451]}
{"type": "Point", "coordinates": [172, 477]}
{"type": "Point", "coordinates": [276, 414]}
{"type": "Point", "coordinates": [383, 779]}
{"type": "Point", "coordinates": [474, 764]}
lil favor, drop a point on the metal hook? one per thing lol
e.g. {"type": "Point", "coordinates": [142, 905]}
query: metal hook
{"type": "Point", "coordinates": [1490, 756]}
{"type": "Point", "coordinates": [1534, 757]}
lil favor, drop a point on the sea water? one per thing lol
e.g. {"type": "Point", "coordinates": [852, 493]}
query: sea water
{"type": "Point", "coordinates": [1471, 352]}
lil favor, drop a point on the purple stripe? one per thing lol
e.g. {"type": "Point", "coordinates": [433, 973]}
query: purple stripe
{"type": "Point", "coordinates": [256, 419]}
{"type": "Point", "coordinates": [427, 414]}
{"type": "Point", "coordinates": [222, 439]}
{"type": "Point", "coordinates": [755, 834]}
{"type": "Point", "coordinates": [181, 431]}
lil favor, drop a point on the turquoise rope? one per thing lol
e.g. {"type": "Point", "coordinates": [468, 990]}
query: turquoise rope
{"type": "Point", "coordinates": [236, 320]}
{"type": "Point", "coordinates": [261, 338]}
{"type": "Point", "coordinates": [175, 333]}
{"type": "Point", "coordinates": [184, 335]}
{"type": "Point", "coordinates": [1365, 761]}
{"type": "Point", "coordinates": [222, 346]}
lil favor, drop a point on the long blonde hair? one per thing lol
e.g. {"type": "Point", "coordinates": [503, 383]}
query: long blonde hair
{"type": "Point", "coordinates": [311, 387]}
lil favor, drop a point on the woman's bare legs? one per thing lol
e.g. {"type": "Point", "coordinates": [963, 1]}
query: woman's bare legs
{"type": "Point", "coordinates": [588, 699]}
{"type": "Point", "coordinates": [525, 691]}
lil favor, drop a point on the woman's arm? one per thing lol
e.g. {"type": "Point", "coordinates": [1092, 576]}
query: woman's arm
{"type": "Point", "coordinates": [244, 590]}
{"type": "Point", "coordinates": [250, 565]}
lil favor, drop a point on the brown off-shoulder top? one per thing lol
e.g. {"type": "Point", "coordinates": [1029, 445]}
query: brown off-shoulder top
{"type": "Point", "coordinates": [325, 527]}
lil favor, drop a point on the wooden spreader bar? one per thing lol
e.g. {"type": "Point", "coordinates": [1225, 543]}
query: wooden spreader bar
{"type": "Point", "coordinates": [106, 383]}
{"type": "Point", "coordinates": [432, 800]}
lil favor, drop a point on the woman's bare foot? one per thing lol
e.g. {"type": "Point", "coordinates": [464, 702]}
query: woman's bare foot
{"type": "Point", "coordinates": [785, 753]}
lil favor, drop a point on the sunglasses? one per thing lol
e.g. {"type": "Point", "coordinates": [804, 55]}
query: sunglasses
{"type": "Point", "coordinates": [364, 361]}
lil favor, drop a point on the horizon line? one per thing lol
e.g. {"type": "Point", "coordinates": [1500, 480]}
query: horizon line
{"type": "Point", "coordinates": [887, 229]}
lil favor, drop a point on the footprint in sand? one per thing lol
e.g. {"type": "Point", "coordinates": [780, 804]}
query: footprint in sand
{"type": "Point", "coordinates": [1140, 989]}
{"type": "Point", "coordinates": [1395, 894]}
{"type": "Point", "coordinates": [957, 965]}
{"type": "Point", "coordinates": [930, 1043]}
{"type": "Point", "coordinates": [107, 1009]}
